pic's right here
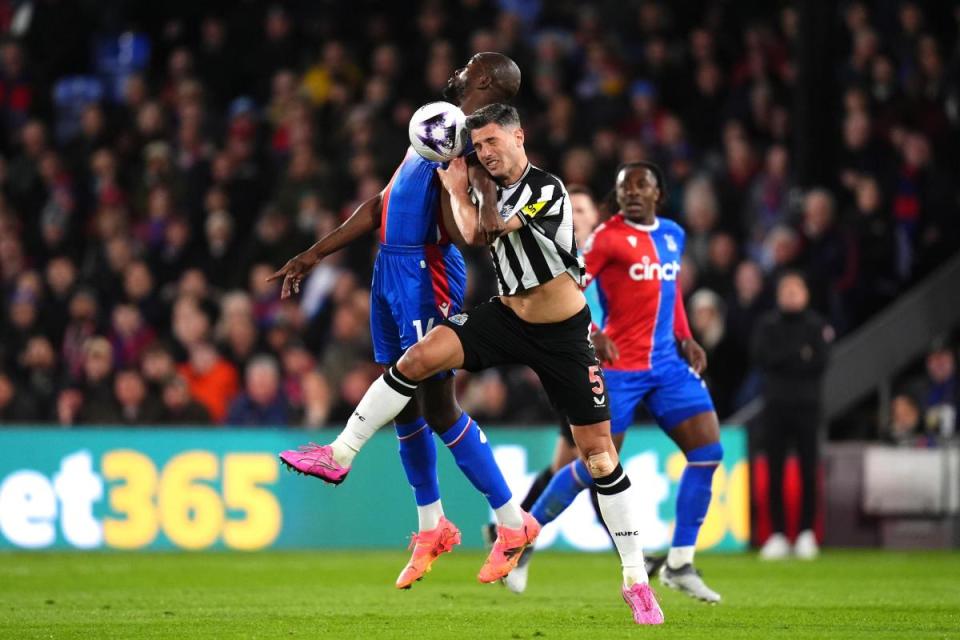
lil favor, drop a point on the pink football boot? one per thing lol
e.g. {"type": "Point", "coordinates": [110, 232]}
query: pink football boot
{"type": "Point", "coordinates": [643, 603]}
{"type": "Point", "coordinates": [315, 460]}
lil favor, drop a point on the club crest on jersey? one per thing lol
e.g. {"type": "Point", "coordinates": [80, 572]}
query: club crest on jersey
{"type": "Point", "coordinates": [460, 319]}
{"type": "Point", "coordinates": [671, 243]}
{"type": "Point", "coordinates": [647, 270]}
{"type": "Point", "coordinates": [633, 241]}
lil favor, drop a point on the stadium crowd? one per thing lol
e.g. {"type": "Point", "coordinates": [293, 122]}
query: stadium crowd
{"type": "Point", "coordinates": [155, 174]}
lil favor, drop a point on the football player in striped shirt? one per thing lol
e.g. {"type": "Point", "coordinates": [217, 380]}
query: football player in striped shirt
{"type": "Point", "coordinates": [541, 319]}
{"type": "Point", "coordinates": [633, 260]}
{"type": "Point", "coordinates": [419, 280]}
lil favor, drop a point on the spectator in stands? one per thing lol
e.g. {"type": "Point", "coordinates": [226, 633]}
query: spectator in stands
{"type": "Point", "coordinates": [768, 203]}
{"type": "Point", "coordinates": [942, 398]}
{"type": "Point", "coordinates": [61, 280]}
{"type": "Point", "coordinates": [790, 348]}
{"type": "Point", "coordinates": [21, 323]}
{"type": "Point", "coordinates": [744, 308]}
{"type": "Point", "coordinates": [222, 252]}
{"type": "Point", "coordinates": [317, 400]}
{"type": "Point", "coordinates": [124, 196]}
{"type": "Point", "coordinates": [826, 255]}
{"type": "Point", "coordinates": [96, 384]}
{"type": "Point", "coordinates": [905, 426]}
{"type": "Point", "coordinates": [179, 407]}
{"type": "Point", "coordinates": [135, 405]}
{"type": "Point", "coordinates": [262, 403]}
{"type": "Point", "coordinates": [139, 288]}
{"type": "Point", "coordinates": [873, 238]}
{"type": "Point", "coordinates": [157, 367]}
{"type": "Point", "coordinates": [82, 325]}
{"type": "Point", "coordinates": [129, 335]}
{"type": "Point", "coordinates": [297, 362]}
{"type": "Point", "coordinates": [701, 214]}
{"type": "Point", "coordinates": [724, 370]}
{"type": "Point", "coordinates": [191, 326]}
{"type": "Point", "coordinates": [40, 376]}
{"type": "Point", "coordinates": [213, 381]}
{"type": "Point", "coordinates": [717, 273]}
{"type": "Point", "coordinates": [925, 218]}
{"type": "Point", "coordinates": [15, 405]}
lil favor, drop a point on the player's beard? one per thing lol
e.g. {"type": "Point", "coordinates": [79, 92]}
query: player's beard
{"type": "Point", "coordinates": [454, 90]}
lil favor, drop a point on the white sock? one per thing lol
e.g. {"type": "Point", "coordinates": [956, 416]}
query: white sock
{"type": "Point", "coordinates": [379, 405]}
{"type": "Point", "coordinates": [509, 515]}
{"type": "Point", "coordinates": [622, 518]}
{"type": "Point", "coordinates": [429, 515]}
{"type": "Point", "coordinates": [679, 556]}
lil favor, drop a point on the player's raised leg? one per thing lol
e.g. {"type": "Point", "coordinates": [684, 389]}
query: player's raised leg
{"type": "Point", "coordinates": [439, 351]}
{"type": "Point", "coordinates": [383, 401]}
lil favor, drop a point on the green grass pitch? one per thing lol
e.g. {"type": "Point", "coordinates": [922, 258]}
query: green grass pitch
{"type": "Point", "coordinates": [845, 594]}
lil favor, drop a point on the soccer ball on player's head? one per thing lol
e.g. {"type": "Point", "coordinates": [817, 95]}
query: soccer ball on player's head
{"type": "Point", "coordinates": [437, 131]}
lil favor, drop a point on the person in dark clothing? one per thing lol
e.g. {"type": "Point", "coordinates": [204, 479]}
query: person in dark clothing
{"type": "Point", "coordinates": [134, 404]}
{"type": "Point", "coordinates": [826, 256]}
{"type": "Point", "coordinates": [179, 407]}
{"type": "Point", "coordinates": [790, 348]}
{"type": "Point", "coordinates": [262, 403]}
{"type": "Point", "coordinates": [873, 230]}
{"type": "Point", "coordinates": [15, 405]}
{"type": "Point", "coordinates": [96, 383]}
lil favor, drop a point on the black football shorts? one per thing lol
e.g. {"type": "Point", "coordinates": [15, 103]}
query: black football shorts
{"type": "Point", "coordinates": [560, 353]}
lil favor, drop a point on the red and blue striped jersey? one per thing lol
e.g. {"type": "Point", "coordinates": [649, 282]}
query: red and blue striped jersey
{"type": "Point", "coordinates": [410, 214]}
{"type": "Point", "coordinates": [636, 268]}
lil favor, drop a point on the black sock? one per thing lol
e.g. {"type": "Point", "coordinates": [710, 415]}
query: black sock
{"type": "Point", "coordinates": [539, 484]}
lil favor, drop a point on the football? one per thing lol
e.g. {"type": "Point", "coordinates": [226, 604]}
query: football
{"type": "Point", "coordinates": [437, 131]}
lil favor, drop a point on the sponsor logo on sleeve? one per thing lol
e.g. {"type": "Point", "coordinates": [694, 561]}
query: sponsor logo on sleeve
{"type": "Point", "coordinates": [533, 209]}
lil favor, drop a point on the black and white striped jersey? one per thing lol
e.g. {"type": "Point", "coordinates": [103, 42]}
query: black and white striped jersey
{"type": "Point", "coordinates": [545, 246]}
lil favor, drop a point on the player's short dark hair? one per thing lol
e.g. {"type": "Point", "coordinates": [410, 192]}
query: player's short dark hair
{"type": "Point", "coordinates": [654, 168]}
{"type": "Point", "coordinates": [496, 113]}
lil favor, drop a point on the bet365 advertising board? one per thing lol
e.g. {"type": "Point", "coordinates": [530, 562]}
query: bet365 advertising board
{"type": "Point", "coordinates": [154, 489]}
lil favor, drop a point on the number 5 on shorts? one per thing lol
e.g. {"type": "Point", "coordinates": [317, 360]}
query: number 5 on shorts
{"type": "Point", "coordinates": [597, 380]}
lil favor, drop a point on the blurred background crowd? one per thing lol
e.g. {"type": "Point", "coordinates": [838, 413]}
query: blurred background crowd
{"type": "Point", "coordinates": [153, 174]}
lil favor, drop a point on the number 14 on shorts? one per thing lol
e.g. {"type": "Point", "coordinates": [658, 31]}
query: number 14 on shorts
{"type": "Point", "coordinates": [418, 325]}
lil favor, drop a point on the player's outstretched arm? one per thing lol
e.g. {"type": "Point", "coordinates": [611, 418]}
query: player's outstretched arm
{"type": "Point", "coordinates": [364, 219]}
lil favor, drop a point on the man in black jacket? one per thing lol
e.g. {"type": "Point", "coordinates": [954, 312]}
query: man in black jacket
{"type": "Point", "coordinates": [790, 348]}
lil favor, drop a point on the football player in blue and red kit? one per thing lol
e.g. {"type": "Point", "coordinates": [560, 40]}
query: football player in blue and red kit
{"type": "Point", "coordinates": [419, 280]}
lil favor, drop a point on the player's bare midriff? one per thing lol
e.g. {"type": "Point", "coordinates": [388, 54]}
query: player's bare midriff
{"type": "Point", "coordinates": [554, 301]}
